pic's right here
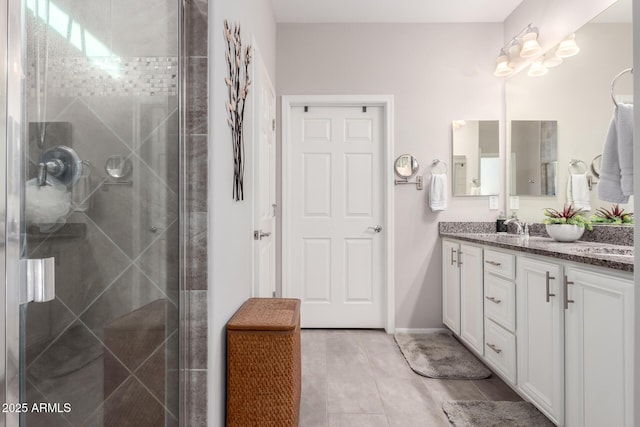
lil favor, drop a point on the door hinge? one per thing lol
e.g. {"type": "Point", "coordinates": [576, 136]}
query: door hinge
{"type": "Point", "coordinates": [273, 125]}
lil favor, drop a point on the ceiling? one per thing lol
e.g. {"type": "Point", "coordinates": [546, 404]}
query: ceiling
{"type": "Point", "coordinates": [393, 11]}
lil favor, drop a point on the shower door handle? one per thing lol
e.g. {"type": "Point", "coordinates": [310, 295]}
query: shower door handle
{"type": "Point", "coordinates": [40, 280]}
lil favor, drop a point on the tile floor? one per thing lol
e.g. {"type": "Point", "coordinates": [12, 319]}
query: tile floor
{"type": "Point", "coordinates": [356, 378]}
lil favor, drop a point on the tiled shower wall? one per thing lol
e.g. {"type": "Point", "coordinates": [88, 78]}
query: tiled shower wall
{"type": "Point", "coordinates": [108, 343]}
{"type": "Point", "coordinates": [117, 269]}
{"type": "Point", "coordinates": [196, 171]}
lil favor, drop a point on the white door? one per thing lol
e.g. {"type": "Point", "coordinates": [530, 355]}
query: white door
{"type": "Point", "coordinates": [336, 207]}
{"type": "Point", "coordinates": [450, 286]}
{"type": "Point", "coordinates": [540, 338]}
{"type": "Point", "coordinates": [471, 297]}
{"type": "Point", "coordinates": [264, 173]}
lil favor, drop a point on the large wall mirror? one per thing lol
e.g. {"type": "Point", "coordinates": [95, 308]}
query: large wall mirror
{"type": "Point", "coordinates": [572, 100]}
{"type": "Point", "coordinates": [476, 158]}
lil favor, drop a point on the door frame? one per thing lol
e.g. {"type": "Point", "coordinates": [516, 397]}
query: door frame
{"type": "Point", "coordinates": [386, 102]}
{"type": "Point", "coordinates": [10, 201]}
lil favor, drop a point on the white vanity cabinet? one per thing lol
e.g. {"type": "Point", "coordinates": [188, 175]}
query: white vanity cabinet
{"type": "Point", "coordinates": [540, 335]}
{"type": "Point", "coordinates": [560, 332]}
{"type": "Point", "coordinates": [462, 293]}
{"type": "Point", "coordinates": [599, 348]}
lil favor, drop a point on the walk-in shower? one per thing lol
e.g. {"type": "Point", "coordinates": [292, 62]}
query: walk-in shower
{"type": "Point", "coordinates": [91, 114]}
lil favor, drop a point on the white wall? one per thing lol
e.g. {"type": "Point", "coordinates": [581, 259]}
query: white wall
{"type": "Point", "coordinates": [230, 238]}
{"type": "Point", "coordinates": [437, 73]}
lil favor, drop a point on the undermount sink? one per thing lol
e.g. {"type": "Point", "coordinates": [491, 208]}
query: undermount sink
{"type": "Point", "coordinates": [607, 251]}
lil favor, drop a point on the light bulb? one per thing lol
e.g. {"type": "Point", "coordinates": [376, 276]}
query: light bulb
{"type": "Point", "coordinates": [530, 46]}
{"type": "Point", "coordinates": [568, 47]}
{"type": "Point", "coordinates": [537, 69]}
{"type": "Point", "coordinates": [503, 68]}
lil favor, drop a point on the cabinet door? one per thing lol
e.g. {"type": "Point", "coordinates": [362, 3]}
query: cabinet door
{"type": "Point", "coordinates": [450, 286]}
{"type": "Point", "coordinates": [599, 349]}
{"type": "Point", "coordinates": [471, 297]}
{"type": "Point", "coordinates": [540, 337]}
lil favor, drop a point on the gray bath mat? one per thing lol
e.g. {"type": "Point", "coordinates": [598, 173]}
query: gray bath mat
{"type": "Point", "coordinates": [438, 355]}
{"type": "Point", "coordinates": [482, 413]}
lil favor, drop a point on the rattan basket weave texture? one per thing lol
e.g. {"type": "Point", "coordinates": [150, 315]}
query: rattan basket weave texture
{"type": "Point", "coordinates": [263, 364]}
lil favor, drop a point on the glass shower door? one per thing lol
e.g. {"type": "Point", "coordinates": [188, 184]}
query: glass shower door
{"type": "Point", "coordinates": [98, 183]}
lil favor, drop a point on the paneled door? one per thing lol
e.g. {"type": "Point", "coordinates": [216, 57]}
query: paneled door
{"type": "Point", "coordinates": [336, 203]}
{"type": "Point", "coordinates": [264, 173]}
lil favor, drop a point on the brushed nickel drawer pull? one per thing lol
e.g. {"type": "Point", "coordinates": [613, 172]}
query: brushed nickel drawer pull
{"type": "Point", "coordinates": [494, 300]}
{"type": "Point", "coordinates": [494, 348]}
{"type": "Point", "coordinates": [459, 258]}
{"type": "Point", "coordinates": [566, 293]}
{"type": "Point", "coordinates": [549, 278]}
{"type": "Point", "coordinates": [497, 264]}
{"type": "Point", "coordinates": [453, 251]}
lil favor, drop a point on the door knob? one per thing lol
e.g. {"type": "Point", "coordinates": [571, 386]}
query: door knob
{"type": "Point", "coordinates": [377, 228]}
{"type": "Point", "coordinates": [259, 234]}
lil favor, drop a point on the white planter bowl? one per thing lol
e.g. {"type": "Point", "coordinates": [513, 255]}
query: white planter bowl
{"type": "Point", "coordinates": [564, 232]}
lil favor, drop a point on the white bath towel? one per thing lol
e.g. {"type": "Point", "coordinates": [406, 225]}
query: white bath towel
{"type": "Point", "coordinates": [578, 191]}
{"type": "Point", "coordinates": [616, 173]}
{"type": "Point", "coordinates": [438, 192]}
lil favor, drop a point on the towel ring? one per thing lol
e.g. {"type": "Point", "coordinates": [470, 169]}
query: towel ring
{"type": "Point", "coordinates": [613, 83]}
{"type": "Point", "coordinates": [435, 163]}
{"type": "Point", "coordinates": [577, 163]}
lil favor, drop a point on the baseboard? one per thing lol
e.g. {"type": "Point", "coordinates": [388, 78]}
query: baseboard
{"type": "Point", "coordinates": [418, 330]}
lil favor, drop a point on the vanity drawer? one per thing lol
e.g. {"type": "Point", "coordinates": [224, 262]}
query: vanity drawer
{"type": "Point", "coordinates": [500, 301]}
{"type": "Point", "coordinates": [500, 349]}
{"type": "Point", "coordinates": [500, 263]}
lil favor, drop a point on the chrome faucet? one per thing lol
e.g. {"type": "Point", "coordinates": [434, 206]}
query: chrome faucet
{"type": "Point", "coordinates": [523, 227]}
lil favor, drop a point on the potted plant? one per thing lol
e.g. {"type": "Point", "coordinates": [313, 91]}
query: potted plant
{"type": "Point", "coordinates": [615, 215]}
{"type": "Point", "coordinates": [566, 225]}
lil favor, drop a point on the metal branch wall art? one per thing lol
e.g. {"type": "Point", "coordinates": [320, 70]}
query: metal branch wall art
{"type": "Point", "coordinates": [238, 83]}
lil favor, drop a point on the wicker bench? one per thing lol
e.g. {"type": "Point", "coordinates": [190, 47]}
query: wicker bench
{"type": "Point", "coordinates": [263, 363]}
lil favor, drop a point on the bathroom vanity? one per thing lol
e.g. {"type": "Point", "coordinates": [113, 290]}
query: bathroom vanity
{"type": "Point", "coordinates": [554, 320]}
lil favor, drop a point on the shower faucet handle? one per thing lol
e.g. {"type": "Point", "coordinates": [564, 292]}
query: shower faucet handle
{"type": "Point", "coordinates": [54, 167]}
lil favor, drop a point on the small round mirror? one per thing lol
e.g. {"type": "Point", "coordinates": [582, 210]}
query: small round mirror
{"type": "Point", "coordinates": [117, 166]}
{"type": "Point", "coordinates": [595, 165]}
{"type": "Point", "coordinates": [406, 166]}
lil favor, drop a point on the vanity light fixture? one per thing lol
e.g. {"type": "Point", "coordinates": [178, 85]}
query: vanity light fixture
{"type": "Point", "coordinates": [530, 45]}
{"type": "Point", "coordinates": [503, 68]}
{"type": "Point", "coordinates": [537, 68]}
{"type": "Point", "coordinates": [522, 45]}
{"type": "Point", "coordinates": [568, 47]}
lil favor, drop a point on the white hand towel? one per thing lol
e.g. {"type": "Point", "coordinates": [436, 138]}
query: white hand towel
{"type": "Point", "coordinates": [578, 191]}
{"type": "Point", "coordinates": [438, 192]}
{"type": "Point", "coordinates": [617, 155]}
{"type": "Point", "coordinates": [624, 130]}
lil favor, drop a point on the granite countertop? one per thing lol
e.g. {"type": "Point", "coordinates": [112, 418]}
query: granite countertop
{"type": "Point", "coordinates": [599, 254]}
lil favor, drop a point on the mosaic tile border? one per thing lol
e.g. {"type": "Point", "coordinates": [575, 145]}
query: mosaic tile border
{"type": "Point", "coordinates": [107, 76]}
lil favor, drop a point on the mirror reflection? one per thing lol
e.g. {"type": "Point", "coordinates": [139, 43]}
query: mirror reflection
{"type": "Point", "coordinates": [579, 101]}
{"type": "Point", "coordinates": [476, 158]}
{"type": "Point", "coordinates": [534, 157]}
{"type": "Point", "coordinates": [406, 166]}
